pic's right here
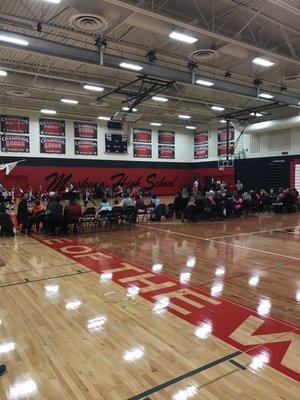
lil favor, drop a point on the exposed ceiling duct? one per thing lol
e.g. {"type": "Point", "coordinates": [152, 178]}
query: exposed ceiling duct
{"type": "Point", "coordinates": [63, 51]}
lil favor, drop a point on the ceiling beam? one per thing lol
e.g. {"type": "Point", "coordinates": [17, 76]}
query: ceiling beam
{"type": "Point", "coordinates": [186, 25]}
{"type": "Point", "coordinates": [54, 49]}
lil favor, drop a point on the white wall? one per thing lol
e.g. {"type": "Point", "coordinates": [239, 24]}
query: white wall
{"type": "Point", "coordinates": [184, 150]}
{"type": "Point", "coordinates": [256, 144]}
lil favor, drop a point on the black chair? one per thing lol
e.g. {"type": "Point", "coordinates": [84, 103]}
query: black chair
{"type": "Point", "coordinates": [115, 218]}
{"type": "Point", "coordinates": [129, 215]}
{"type": "Point", "coordinates": [88, 219]}
{"type": "Point", "coordinates": [102, 219]}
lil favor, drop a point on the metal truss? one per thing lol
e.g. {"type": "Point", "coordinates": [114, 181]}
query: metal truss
{"type": "Point", "coordinates": [149, 87]}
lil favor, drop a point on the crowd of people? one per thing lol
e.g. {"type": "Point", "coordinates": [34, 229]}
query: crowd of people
{"type": "Point", "coordinates": [35, 211]}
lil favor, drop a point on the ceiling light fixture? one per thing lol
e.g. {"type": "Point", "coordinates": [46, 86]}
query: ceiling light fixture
{"type": "Point", "coordinates": [182, 37]}
{"type": "Point", "coordinates": [47, 111]}
{"type": "Point", "coordinates": [190, 127]}
{"type": "Point", "coordinates": [104, 118]}
{"type": "Point", "coordinates": [265, 96]}
{"type": "Point", "coordinates": [262, 61]}
{"type": "Point", "coordinates": [159, 98]}
{"type": "Point", "coordinates": [3, 73]}
{"type": "Point", "coordinates": [155, 124]}
{"type": "Point", "coordinates": [217, 108]}
{"type": "Point", "coordinates": [223, 121]}
{"type": "Point", "coordinates": [204, 82]}
{"type": "Point", "coordinates": [134, 67]}
{"type": "Point", "coordinates": [128, 108]}
{"type": "Point", "coordinates": [93, 88]}
{"type": "Point", "coordinates": [13, 40]}
{"type": "Point", "coordinates": [54, 1]}
{"type": "Point", "coordinates": [69, 101]}
{"type": "Point", "coordinates": [182, 116]}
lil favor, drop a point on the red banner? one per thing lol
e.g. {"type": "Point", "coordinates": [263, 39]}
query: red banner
{"type": "Point", "coordinates": [15, 143]}
{"type": "Point", "coordinates": [167, 152]}
{"type": "Point", "coordinates": [52, 127]}
{"type": "Point", "coordinates": [200, 152]}
{"type": "Point", "coordinates": [222, 134]}
{"type": "Point", "coordinates": [166, 137]}
{"type": "Point", "coordinates": [142, 135]}
{"type": "Point", "coordinates": [222, 149]}
{"type": "Point", "coordinates": [14, 124]}
{"type": "Point", "coordinates": [52, 145]}
{"type": "Point", "coordinates": [86, 147]}
{"type": "Point", "coordinates": [142, 150]}
{"type": "Point", "coordinates": [85, 130]}
{"type": "Point", "coordinates": [200, 137]}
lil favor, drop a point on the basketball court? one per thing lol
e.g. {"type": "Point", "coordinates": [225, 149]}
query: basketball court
{"type": "Point", "coordinates": [149, 200]}
{"type": "Point", "coordinates": [174, 312]}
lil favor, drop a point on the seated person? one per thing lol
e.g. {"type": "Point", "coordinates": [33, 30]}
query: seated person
{"type": "Point", "coordinates": [139, 203]}
{"type": "Point", "coordinates": [38, 215]}
{"type": "Point", "coordinates": [104, 206]}
{"type": "Point", "coordinates": [23, 214]}
{"type": "Point", "coordinates": [6, 224]}
{"type": "Point", "coordinates": [54, 215]}
{"type": "Point", "coordinates": [72, 214]}
{"type": "Point", "coordinates": [117, 207]}
{"type": "Point", "coordinates": [127, 201]}
{"type": "Point", "coordinates": [155, 201]}
{"type": "Point", "coordinates": [180, 204]}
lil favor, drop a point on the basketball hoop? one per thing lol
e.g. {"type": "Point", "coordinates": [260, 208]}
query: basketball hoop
{"type": "Point", "coordinates": [226, 161]}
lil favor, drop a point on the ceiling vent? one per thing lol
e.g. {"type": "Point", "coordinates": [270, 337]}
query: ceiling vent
{"type": "Point", "coordinates": [89, 22]}
{"type": "Point", "coordinates": [18, 93]}
{"type": "Point", "coordinates": [203, 55]}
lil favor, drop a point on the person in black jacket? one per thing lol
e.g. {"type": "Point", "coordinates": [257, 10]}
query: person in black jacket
{"type": "Point", "coordinates": [180, 204]}
{"type": "Point", "coordinates": [23, 213]}
{"type": "Point", "coordinates": [54, 217]}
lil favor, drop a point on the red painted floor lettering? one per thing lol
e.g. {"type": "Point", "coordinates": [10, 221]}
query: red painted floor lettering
{"type": "Point", "coordinates": [260, 337]}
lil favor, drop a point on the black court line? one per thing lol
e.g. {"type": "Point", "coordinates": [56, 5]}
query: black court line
{"type": "Point", "coordinates": [26, 281]}
{"type": "Point", "coordinates": [180, 378]}
{"type": "Point", "coordinates": [240, 366]}
{"type": "Point", "coordinates": [36, 269]}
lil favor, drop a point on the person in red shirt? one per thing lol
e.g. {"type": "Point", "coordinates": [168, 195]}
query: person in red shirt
{"type": "Point", "coordinates": [72, 214]}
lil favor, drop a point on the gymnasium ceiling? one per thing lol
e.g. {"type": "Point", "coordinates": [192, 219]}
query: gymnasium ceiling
{"type": "Point", "coordinates": [63, 56]}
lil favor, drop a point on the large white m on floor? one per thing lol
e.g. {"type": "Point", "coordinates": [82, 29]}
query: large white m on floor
{"type": "Point", "coordinates": [244, 335]}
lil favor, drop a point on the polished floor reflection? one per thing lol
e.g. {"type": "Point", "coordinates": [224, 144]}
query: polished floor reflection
{"type": "Point", "coordinates": [161, 311]}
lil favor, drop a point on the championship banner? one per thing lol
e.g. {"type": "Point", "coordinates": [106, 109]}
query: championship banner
{"type": "Point", "coordinates": [142, 135]}
{"type": "Point", "coordinates": [15, 143]}
{"type": "Point", "coordinates": [14, 124]}
{"type": "Point", "coordinates": [86, 147]}
{"type": "Point", "coordinates": [52, 127]}
{"type": "Point", "coordinates": [200, 152]}
{"type": "Point", "coordinates": [222, 148]}
{"type": "Point", "coordinates": [167, 152]}
{"type": "Point", "coordinates": [200, 137]}
{"type": "Point", "coordinates": [222, 134]}
{"type": "Point", "coordinates": [166, 137]}
{"type": "Point", "coordinates": [142, 150]}
{"type": "Point", "coordinates": [85, 130]}
{"type": "Point", "coordinates": [52, 145]}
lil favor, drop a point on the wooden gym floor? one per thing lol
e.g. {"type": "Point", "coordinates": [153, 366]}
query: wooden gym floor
{"type": "Point", "coordinates": [161, 311]}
